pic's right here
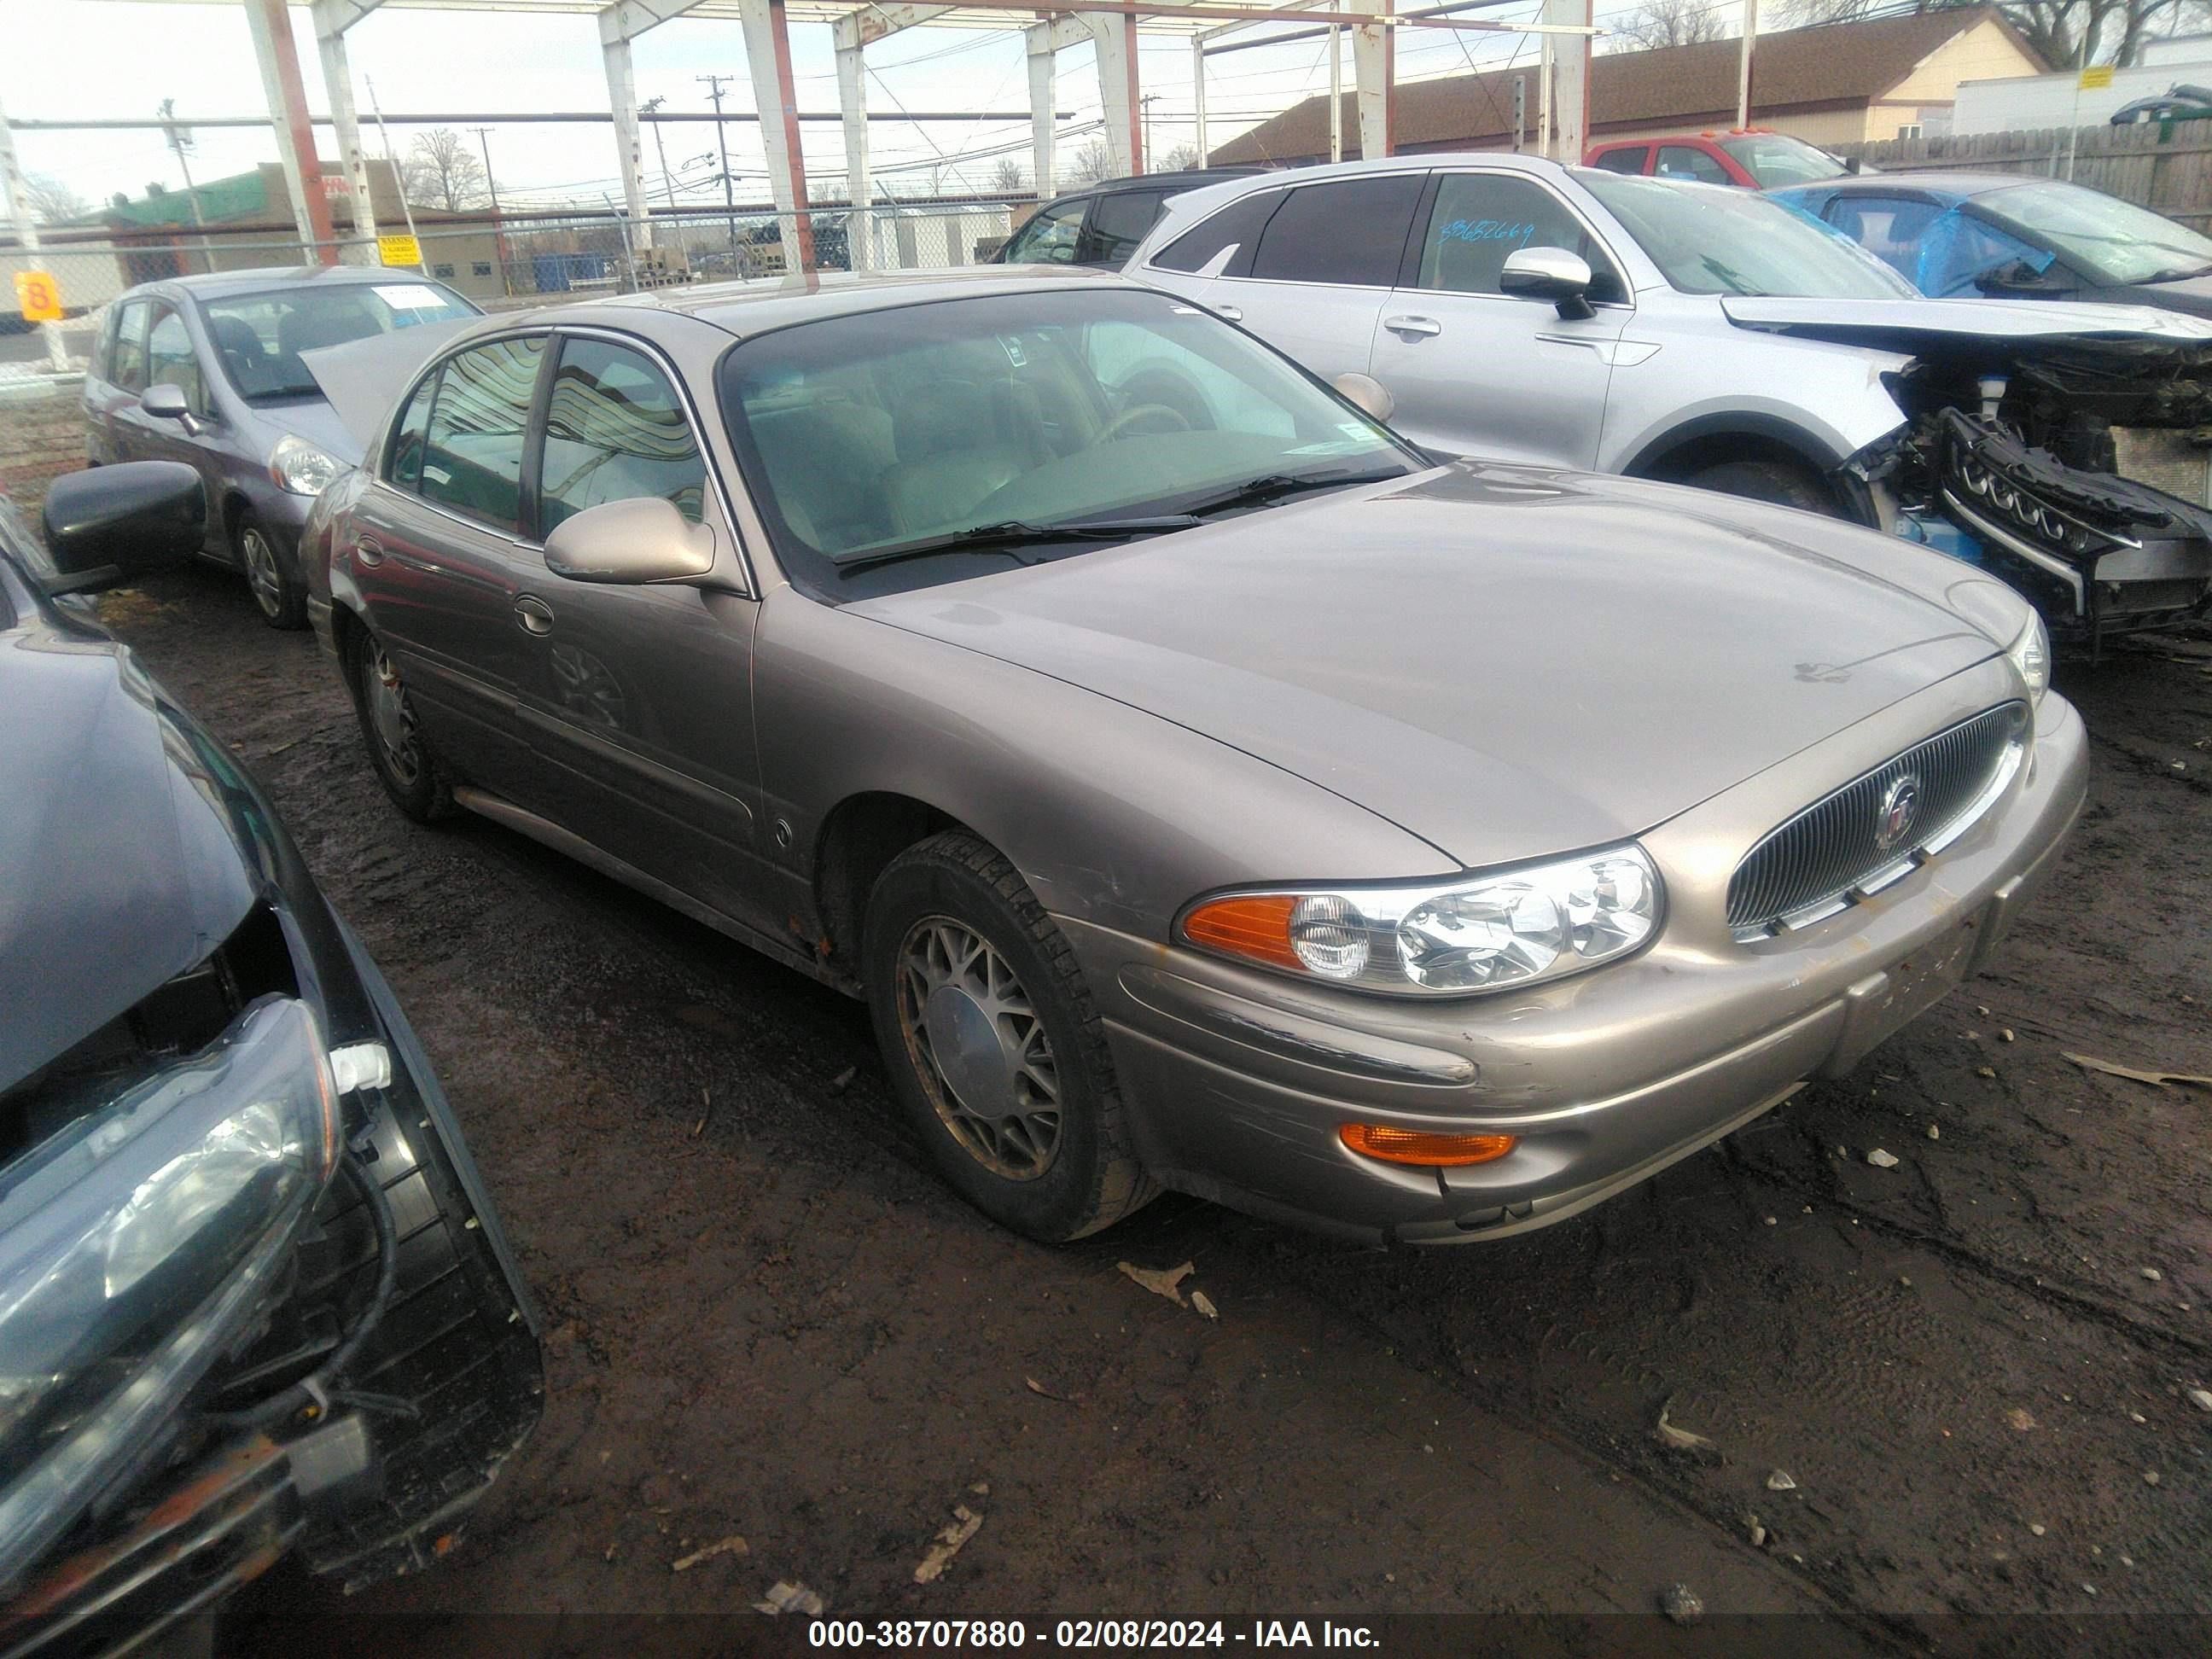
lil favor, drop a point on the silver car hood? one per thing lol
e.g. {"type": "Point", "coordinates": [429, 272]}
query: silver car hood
{"type": "Point", "coordinates": [1504, 661]}
{"type": "Point", "coordinates": [1896, 324]}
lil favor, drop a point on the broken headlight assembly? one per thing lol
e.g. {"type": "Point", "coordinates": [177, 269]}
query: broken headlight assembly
{"type": "Point", "coordinates": [138, 1245]}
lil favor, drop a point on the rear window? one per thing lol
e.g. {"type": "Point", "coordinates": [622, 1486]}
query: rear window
{"type": "Point", "coordinates": [1350, 231]}
{"type": "Point", "coordinates": [1629, 160]}
{"type": "Point", "coordinates": [1239, 223]}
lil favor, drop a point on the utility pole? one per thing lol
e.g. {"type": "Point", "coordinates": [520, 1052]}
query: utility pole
{"type": "Point", "coordinates": [491, 183]}
{"type": "Point", "coordinates": [650, 107]}
{"type": "Point", "coordinates": [398, 178]}
{"type": "Point", "coordinates": [180, 141]}
{"type": "Point", "coordinates": [1145, 120]}
{"type": "Point", "coordinates": [715, 84]}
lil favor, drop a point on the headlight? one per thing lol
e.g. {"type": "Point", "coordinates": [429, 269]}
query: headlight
{"type": "Point", "coordinates": [301, 468]}
{"type": "Point", "coordinates": [1479, 933]}
{"type": "Point", "coordinates": [135, 1246]}
{"type": "Point", "coordinates": [2031, 654]}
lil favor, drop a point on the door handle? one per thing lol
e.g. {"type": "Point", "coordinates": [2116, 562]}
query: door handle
{"type": "Point", "coordinates": [1233, 313]}
{"type": "Point", "coordinates": [1412, 325]}
{"type": "Point", "coordinates": [532, 614]}
{"type": "Point", "coordinates": [368, 550]}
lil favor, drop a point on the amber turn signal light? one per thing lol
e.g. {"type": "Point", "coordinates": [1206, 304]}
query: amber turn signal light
{"type": "Point", "coordinates": [1430, 1151]}
{"type": "Point", "coordinates": [1256, 927]}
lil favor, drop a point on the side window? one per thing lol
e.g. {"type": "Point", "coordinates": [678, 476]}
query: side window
{"type": "Point", "coordinates": [1686, 162]}
{"type": "Point", "coordinates": [1480, 218]}
{"type": "Point", "coordinates": [171, 360]}
{"type": "Point", "coordinates": [472, 449]}
{"type": "Point", "coordinates": [1629, 159]}
{"type": "Point", "coordinates": [1888, 226]}
{"type": "Point", "coordinates": [403, 459]}
{"type": "Point", "coordinates": [1239, 223]}
{"type": "Point", "coordinates": [1350, 231]}
{"type": "Point", "coordinates": [1048, 239]}
{"type": "Point", "coordinates": [614, 429]}
{"type": "Point", "coordinates": [1118, 222]}
{"type": "Point", "coordinates": [130, 362]}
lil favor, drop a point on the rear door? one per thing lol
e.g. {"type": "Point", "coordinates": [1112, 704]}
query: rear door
{"type": "Point", "coordinates": [1050, 236]}
{"type": "Point", "coordinates": [641, 697]}
{"type": "Point", "coordinates": [1477, 372]}
{"type": "Point", "coordinates": [1116, 223]}
{"type": "Point", "coordinates": [440, 561]}
{"type": "Point", "coordinates": [1632, 159]}
{"type": "Point", "coordinates": [1323, 265]}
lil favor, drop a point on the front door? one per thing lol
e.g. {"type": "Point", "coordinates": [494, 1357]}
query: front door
{"type": "Point", "coordinates": [641, 697]}
{"type": "Point", "coordinates": [1477, 372]}
{"type": "Point", "coordinates": [171, 360]}
{"type": "Point", "coordinates": [440, 563]}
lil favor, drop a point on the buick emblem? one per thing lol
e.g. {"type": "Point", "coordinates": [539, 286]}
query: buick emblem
{"type": "Point", "coordinates": [1899, 810]}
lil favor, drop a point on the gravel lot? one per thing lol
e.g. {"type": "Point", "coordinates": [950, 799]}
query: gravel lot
{"type": "Point", "coordinates": [766, 1319]}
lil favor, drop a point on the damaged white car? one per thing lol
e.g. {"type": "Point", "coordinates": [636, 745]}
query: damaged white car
{"type": "Point", "coordinates": [1517, 308]}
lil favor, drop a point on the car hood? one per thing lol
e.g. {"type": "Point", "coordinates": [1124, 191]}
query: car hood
{"type": "Point", "coordinates": [1952, 329]}
{"type": "Point", "coordinates": [1504, 661]}
{"type": "Point", "coordinates": [122, 873]}
{"type": "Point", "coordinates": [2192, 294]}
{"type": "Point", "coordinates": [310, 418]}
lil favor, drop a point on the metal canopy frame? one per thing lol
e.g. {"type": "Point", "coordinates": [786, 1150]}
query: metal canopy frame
{"type": "Point", "coordinates": [1111, 27]}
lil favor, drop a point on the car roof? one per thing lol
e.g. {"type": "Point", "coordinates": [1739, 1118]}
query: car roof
{"type": "Point", "coordinates": [1934, 183]}
{"type": "Point", "coordinates": [259, 280]}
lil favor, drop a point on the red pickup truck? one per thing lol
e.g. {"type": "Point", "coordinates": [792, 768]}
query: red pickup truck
{"type": "Point", "coordinates": [1752, 157]}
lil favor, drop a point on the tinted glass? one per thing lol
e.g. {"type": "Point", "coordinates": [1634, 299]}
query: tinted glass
{"type": "Point", "coordinates": [869, 432]}
{"type": "Point", "coordinates": [1685, 162]}
{"type": "Point", "coordinates": [1350, 231]}
{"type": "Point", "coordinates": [1738, 241]}
{"type": "Point", "coordinates": [472, 455]}
{"type": "Point", "coordinates": [1118, 222]}
{"type": "Point", "coordinates": [1479, 219]}
{"type": "Point", "coordinates": [615, 430]}
{"type": "Point", "coordinates": [1048, 239]}
{"type": "Point", "coordinates": [170, 359]}
{"type": "Point", "coordinates": [129, 364]}
{"type": "Point", "coordinates": [1775, 160]}
{"type": "Point", "coordinates": [1631, 160]}
{"type": "Point", "coordinates": [2118, 240]}
{"type": "Point", "coordinates": [403, 461]}
{"type": "Point", "coordinates": [1238, 223]}
{"type": "Point", "coordinates": [260, 336]}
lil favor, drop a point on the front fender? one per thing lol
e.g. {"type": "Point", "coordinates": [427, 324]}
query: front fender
{"type": "Point", "coordinates": [1825, 402]}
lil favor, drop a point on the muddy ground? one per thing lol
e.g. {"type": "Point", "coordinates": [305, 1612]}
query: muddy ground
{"type": "Point", "coordinates": [765, 1317]}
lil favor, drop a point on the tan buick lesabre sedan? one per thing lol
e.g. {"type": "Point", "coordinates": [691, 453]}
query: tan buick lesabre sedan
{"type": "Point", "coordinates": [1204, 789]}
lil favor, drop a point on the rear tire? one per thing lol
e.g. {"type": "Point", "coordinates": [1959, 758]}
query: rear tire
{"type": "Point", "coordinates": [993, 1044]}
{"type": "Point", "coordinates": [1786, 484]}
{"type": "Point", "coordinates": [405, 764]}
{"type": "Point", "coordinates": [278, 593]}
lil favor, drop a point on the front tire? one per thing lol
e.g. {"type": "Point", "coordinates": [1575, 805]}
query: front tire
{"type": "Point", "coordinates": [278, 593]}
{"type": "Point", "coordinates": [994, 1046]}
{"type": "Point", "coordinates": [1786, 483]}
{"type": "Point", "coordinates": [405, 764]}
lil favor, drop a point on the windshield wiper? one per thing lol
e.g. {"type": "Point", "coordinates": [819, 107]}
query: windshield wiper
{"type": "Point", "coordinates": [1012, 533]}
{"type": "Point", "coordinates": [1255, 492]}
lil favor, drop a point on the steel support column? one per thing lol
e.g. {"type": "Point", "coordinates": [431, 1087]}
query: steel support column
{"type": "Point", "coordinates": [270, 25]}
{"type": "Point", "coordinates": [630, 140]}
{"type": "Point", "coordinates": [768, 59]}
{"type": "Point", "coordinates": [337, 85]}
{"type": "Point", "coordinates": [26, 235]}
{"type": "Point", "coordinates": [853, 105]}
{"type": "Point", "coordinates": [1115, 37]}
{"type": "Point", "coordinates": [1374, 71]}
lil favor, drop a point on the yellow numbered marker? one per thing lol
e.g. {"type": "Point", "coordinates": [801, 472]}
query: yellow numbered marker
{"type": "Point", "coordinates": [38, 296]}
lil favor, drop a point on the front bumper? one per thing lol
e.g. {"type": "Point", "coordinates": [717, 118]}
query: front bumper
{"type": "Point", "coordinates": [1237, 1081]}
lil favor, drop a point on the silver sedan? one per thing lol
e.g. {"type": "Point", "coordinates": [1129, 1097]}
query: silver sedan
{"type": "Point", "coordinates": [1203, 788]}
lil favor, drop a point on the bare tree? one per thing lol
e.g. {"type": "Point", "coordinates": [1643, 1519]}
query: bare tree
{"type": "Point", "coordinates": [2066, 33]}
{"type": "Point", "coordinates": [442, 171]}
{"type": "Point", "coordinates": [50, 201]}
{"type": "Point", "coordinates": [1177, 159]}
{"type": "Point", "coordinates": [1092, 163]}
{"type": "Point", "coordinates": [1007, 178]}
{"type": "Point", "coordinates": [1677, 23]}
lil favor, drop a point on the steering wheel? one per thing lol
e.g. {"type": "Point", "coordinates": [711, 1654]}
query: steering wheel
{"type": "Point", "coordinates": [1136, 413]}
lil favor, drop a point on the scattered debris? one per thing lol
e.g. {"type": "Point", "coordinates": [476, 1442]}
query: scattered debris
{"type": "Point", "coordinates": [706, 1112]}
{"type": "Point", "coordinates": [1772, 1222]}
{"type": "Point", "coordinates": [1168, 1284]}
{"type": "Point", "coordinates": [2152, 1274]}
{"type": "Point", "coordinates": [1204, 1304]}
{"type": "Point", "coordinates": [1935, 1131]}
{"type": "Point", "coordinates": [2005, 1035]}
{"type": "Point", "coordinates": [963, 1526]}
{"type": "Point", "coordinates": [786, 1595]}
{"type": "Point", "coordinates": [843, 1080]}
{"type": "Point", "coordinates": [1780, 1481]}
{"type": "Point", "coordinates": [1037, 1387]}
{"type": "Point", "coordinates": [1903, 1280]}
{"type": "Point", "coordinates": [981, 1489]}
{"type": "Point", "coordinates": [1676, 1438]}
{"type": "Point", "coordinates": [2200, 1398]}
{"type": "Point", "coordinates": [1985, 1070]}
{"type": "Point", "coordinates": [2137, 1417]}
{"type": "Point", "coordinates": [2087, 1588]}
{"type": "Point", "coordinates": [1882, 1160]}
{"type": "Point", "coordinates": [1755, 1532]}
{"type": "Point", "coordinates": [2150, 1476]}
{"type": "Point", "coordinates": [2021, 1417]}
{"type": "Point", "coordinates": [2036, 1527]}
{"type": "Point", "coordinates": [1681, 1604]}
{"type": "Point", "coordinates": [733, 1545]}
{"type": "Point", "coordinates": [2113, 1068]}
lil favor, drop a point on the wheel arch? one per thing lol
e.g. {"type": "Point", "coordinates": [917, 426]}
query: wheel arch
{"type": "Point", "coordinates": [1730, 435]}
{"type": "Point", "coordinates": [858, 837]}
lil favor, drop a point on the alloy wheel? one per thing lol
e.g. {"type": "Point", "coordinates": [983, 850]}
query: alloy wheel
{"type": "Point", "coordinates": [393, 717]}
{"type": "Point", "coordinates": [980, 1048]}
{"type": "Point", "coordinates": [262, 575]}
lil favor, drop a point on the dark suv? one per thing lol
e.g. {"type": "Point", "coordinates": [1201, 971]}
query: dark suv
{"type": "Point", "coordinates": [1101, 224]}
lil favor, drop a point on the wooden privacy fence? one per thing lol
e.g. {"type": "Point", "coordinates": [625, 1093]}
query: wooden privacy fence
{"type": "Point", "coordinates": [2166, 169]}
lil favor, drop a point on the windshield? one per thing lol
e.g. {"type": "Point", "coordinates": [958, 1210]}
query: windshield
{"type": "Point", "coordinates": [2116, 241]}
{"type": "Point", "coordinates": [260, 336]}
{"type": "Point", "coordinates": [1775, 160]}
{"type": "Point", "coordinates": [870, 439]}
{"type": "Point", "coordinates": [1708, 239]}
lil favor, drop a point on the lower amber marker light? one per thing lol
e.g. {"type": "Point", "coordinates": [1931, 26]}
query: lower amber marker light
{"type": "Point", "coordinates": [1418, 1147]}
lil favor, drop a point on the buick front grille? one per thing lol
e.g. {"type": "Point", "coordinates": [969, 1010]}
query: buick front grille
{"type": "Point", "coordinates": [1877, 828]}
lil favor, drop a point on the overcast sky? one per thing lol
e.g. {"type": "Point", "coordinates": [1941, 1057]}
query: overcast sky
{"type": "Point", "coordinates": [68, 64]}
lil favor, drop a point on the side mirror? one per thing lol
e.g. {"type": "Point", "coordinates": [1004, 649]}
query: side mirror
{"type": "Point", "coordinates": [166, 402]}
{"type": "Point", "coordinates": [643, 539]}
{"type": "Point", "coordinates": [1368, 393]}
{"type": "Point", "coordinates": [109, 524]}
{"type": "Point", "coordinates": [1549, 273]}
{"type": "Point", "coordinates": [1851, 165]}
